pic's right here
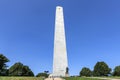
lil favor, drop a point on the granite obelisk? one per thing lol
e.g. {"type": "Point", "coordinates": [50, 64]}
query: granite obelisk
{"type": "Point", "coordinates": [60, 61]}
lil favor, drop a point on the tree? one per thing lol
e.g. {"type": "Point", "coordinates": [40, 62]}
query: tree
{"type": "Point", "coordinates": [46, 72]}
{"type": "Point", "coordinates": [101, 69]}
{"type": "Point", "coordinates": [85, 72]}
{"type": "Point", "coordinates": [26, 71]}
{"type": "Point", "coordinates": [3, 66]}
{"type": "Point", "coordinates": [18, 69]}
{"type": "Point", "coordinates": [116, 71]}
{"type": "Point", "coordinates": [42, 75]}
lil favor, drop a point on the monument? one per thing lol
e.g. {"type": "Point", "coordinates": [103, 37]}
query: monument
{"type": "Point", "coordinates": [60, 61]}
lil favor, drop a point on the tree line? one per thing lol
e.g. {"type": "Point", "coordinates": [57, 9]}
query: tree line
{"type": "Point", "coordinates": [18, 69]}
{"type": "Point", "coordinates": [100, 69]}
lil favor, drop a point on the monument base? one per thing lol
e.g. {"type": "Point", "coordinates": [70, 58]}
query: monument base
{"type": "Point", "coordinates": [55, 76]}
{"type": "Point", "coordinates": [58, 76]}
{"type": "Point", "coordinates": [54, 79]}
{"type": "Point", "coordinates": [66, 75]}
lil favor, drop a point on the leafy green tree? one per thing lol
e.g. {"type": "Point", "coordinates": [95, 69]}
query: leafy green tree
{"type": "Point", "coordinates": [26, 71]}
{"type": "Point", "coordinates": [101, 69]}
{"type": "Point", "coordinates": [46, 72]}
{"type": "Point", "coordinates": [3, 66]}
{"type": "Point", "coordinates": [42, 75]}
{"type": "Point", "coordinates": [116, 71]}
{"type": "Point", "coordinates": [18, 69]}
{"type": "Point", "coordinates": [86, 72]}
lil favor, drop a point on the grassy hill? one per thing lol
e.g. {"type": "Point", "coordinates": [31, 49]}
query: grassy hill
{"type": "Point", "coordinates": [20, 78]}
{"type": "Point", "coordinates": [38, 78]}
{"type": "Point", "coordinates": [80, 78]}
{"type": "Point", "coordinates": [92, 78]}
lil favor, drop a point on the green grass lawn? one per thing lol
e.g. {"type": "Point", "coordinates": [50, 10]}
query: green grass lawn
{"type": "Point", "coordinates": [80, 78]}
{"type": "Point", "coordinates": [38, 78]}
{"type": "Point", "coordinates": [20, 78]}
{"type": "Point", "coordinates": [115, 77]}
{"type": "Point", "coordinates": [91, 78]}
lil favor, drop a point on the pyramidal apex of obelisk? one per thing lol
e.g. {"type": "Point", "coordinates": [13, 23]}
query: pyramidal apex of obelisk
{"type": "Point", "coordinates": [60, 61]}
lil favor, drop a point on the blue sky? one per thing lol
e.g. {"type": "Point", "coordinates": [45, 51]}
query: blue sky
{"type": "Point", "coordinates": [92, 32]}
